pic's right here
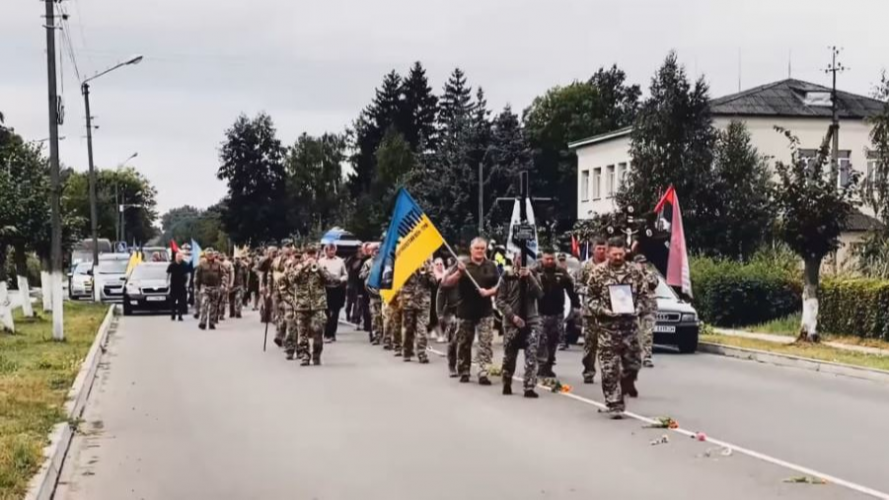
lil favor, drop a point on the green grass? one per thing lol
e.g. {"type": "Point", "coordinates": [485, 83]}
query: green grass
{"type": "Point", "coordinates": [819, 352]}
{"type": "Point", "coordinates": [36, 374]}
{"type": "Point", "coordinates": [789, 326]}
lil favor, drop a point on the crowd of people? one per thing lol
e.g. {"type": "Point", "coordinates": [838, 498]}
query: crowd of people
{"type": "Point", "coordinates": [453, 300]}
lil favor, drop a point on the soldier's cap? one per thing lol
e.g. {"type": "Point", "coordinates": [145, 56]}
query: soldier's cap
{"type": "Point", "coordinates": [641, 259]}
{"type": "Point", "coordinates": [563, 257]}
{"type": "Point", "coordinates": [310, 249]}
{"type": "Point", "coordinates": [209, 251]}
{"type": "Point", "coordinates": [287, 242]}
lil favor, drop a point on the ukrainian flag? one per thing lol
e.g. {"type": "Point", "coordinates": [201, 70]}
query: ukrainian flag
{"type": "Point", "coordinates": [410, 240]}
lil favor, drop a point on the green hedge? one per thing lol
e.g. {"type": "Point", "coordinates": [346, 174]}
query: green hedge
{"type": "Point", "coordinates": [731, 294]}
{"type": "Point", "coordinates": [857, 307]}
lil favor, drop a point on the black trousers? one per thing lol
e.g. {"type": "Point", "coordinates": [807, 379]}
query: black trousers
{"type": "Point", "coordinates": [178, 302]}
{"type": "Point", "coordinates": [335, 299]}
{"type": "Point", "coordinates": [364, 308]}
{"type": "Point", "coordinates": [352, 308]}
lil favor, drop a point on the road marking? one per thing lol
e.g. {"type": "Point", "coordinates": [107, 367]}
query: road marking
{"type": "Point", "coordinates": [718, 442]}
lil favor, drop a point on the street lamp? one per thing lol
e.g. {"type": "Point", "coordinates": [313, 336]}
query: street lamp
{"type": "Point", "coordinates": [123, 220]}
{"type": "Point", "coordinates": [118, 198]}
{"type": "Point", "coordinates": [85, 89]}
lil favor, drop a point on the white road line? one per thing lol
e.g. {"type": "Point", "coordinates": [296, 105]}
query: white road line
{"type": "Point", "coordinates": [718, 442]}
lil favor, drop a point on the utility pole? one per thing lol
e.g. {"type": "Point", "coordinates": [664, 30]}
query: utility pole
{"type": "Point", "coordinates": [94, 223]}
{"type": "Point", "coordinates": [481, 198]}
{"type": "Point", "coordinates": [58, 331]}
{"type": "Point", "coordinates": [835, 68]}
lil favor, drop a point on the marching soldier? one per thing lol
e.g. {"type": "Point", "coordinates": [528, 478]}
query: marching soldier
{"type": "Point", "coordinates": [197, 293]}
{"type": "Point", "coordinates": [555, 282]}
{"type": "Point", "coordinates": [647, 309]}
{"type": "Point", "coordinates": [392, 324]}
{"type": "Point", "coordinates": [613, 300]}
{"type": "Point", "coordinates": [225, 286]}
{"type": "Point", "coordinates": [208, 278]}
{"type": "Point", "coordinates": [416, 303]}
{"type": "Point", "coordinates": [279, 266]}
{"type": "Point", "coordinates": [239, 285]}
{"type": "Point", "coordinates": [446, 307]}
{"type": "Point", "coordinates": [308, 281]}
{"type": "Point", "coordinates": [264, 273]}
{"type": "Point", "coordinates": [521, 324]}
{"type": "Point", "coordinates": [376, 302]}
{"type": "Point", "coordinates": [590, 330]}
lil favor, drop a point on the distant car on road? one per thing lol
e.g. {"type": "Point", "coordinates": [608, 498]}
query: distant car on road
{"type": "Point", "coordinates": [80, 281]}
{"type": "Point", "coordinates": [677, 321]}
{"type": "Point", "coordinates": [110, 276]}
{"type": "Point", "coordinates": [146, 288]}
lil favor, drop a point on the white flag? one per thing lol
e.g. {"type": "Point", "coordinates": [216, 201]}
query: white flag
{"type": "Point", "coordinates": [512, 247]}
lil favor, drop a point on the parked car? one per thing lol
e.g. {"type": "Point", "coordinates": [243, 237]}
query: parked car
{"type": "Point", "coordinates": [111, 275]}
{"type": "Point", "coordinates": [80, 281]}
{"type": "Point", "coordinates": [677, 321]}
{"type": "Point", "coordinates": [146, 288]}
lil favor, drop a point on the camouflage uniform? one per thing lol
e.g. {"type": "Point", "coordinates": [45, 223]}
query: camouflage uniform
{"type": "Point", "coordinates": [590, 328]}
{"type": "Point", "coordinates": [280, 305]}
{"type": "Point", "coordinates": [310, 304]}
{"type": "Point", "coordinates": [416, 303]}
{"type": "Point", "coordinates": [446, 308]}
{"type": "Point", "coordinates": [555, 282]}
{"type": "Point", "coordinates": [208, 277]}
{"type": "Point", "coordinates": [393, 321]}
{"type": "Point", "coordinates": [224, 287]}
{"type": "Point", "coordinates": [376, 304]}
{"type": "Point", "coordinates": [514, 339]}
{"type": "Point", "coordinates": [196, 291]}
{"type": "Point", "coordinates": [619, 351]}
{"type": "Point", "coordinates": [239, 285]}
{"type": "Point", "coordinates": [647, 310]}
{"type": "Point", "coordinates": [476, 314]}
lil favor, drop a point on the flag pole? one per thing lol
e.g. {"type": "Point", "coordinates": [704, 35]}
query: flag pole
{"type": "Point", "coordinates": [456, 258]}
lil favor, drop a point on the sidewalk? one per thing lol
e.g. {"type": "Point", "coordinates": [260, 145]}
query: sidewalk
{"type": "Point", "coordinates": [783, 339]}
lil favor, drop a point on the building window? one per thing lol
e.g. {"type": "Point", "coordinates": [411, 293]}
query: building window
{"type": "Point", "coordinates": [609, 181]}
{"type": "Point", "coordinates": [621, 175]}
{"type": "Point", "coordinates": [844, 174]}
{"type": "Point", "coordinates": [597, 183]}
{"type": "Point", "coordinates": [585, 185]}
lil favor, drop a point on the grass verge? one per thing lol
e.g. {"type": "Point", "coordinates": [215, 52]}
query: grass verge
{"type": "Point", "coordinates": [789, 326]}
{"type": "Point", "coordinates": [36, 374]}
{"type": "Point", "coordinates": [813, 351]}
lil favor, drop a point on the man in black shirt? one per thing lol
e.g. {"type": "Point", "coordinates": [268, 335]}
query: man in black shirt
{"type": "Point", "coordinates": [476, 283]}
{"type": "Point", "coordinates": [556, 282]}
{"type": "Point", "coordinates": [177, 279]}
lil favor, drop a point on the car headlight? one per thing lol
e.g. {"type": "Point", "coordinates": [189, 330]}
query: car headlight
{"type": "Point", "coordinates": [689, 317]}
{"type": "Point", "coordinates": [132, 289]}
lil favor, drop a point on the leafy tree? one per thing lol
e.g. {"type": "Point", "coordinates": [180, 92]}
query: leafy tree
{"type": "Point", "coordinates": [314, 182]}
{"type": "Point", "coordinates": [812, 208]}
{"type": "Point", "coordinates": [672, 143]}
{"type": "Point", "coordinates": [603, 103]}
{"type": "Point", "coordinates": [185, 223]}
{"type": "Point", "coordinates": [744, 208]}
{"type": "Point", "coordinates": [113, 187]}
{"type": "Point", "coordinates": [508, 153]}
{"type": "Point", "coordinates": [177, 216]}
{"type": "Point", "coordinates": [252, 163]}
{"type": "Point", "coordinates": [876, 187]}
{"type": "Point", "coordinates": [419, 109]}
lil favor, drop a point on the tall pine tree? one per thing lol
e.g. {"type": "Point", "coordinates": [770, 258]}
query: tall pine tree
{"type": "Point", "coordinates": [419, 110]}
{"type": "Point", "coordinates": [508, 153]}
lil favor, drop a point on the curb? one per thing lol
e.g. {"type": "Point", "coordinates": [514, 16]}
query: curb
{"type": "Point", "coordinates": [43, 485]}
{"type": "Point", "coordinates": [791, 361]}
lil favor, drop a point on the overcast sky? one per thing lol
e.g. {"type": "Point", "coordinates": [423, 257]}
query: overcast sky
{"type": "Point", "coordinates": [313, 64]}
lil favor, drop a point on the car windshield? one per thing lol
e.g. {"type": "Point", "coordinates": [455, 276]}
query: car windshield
{"type": "Point", "coordinates": [83, 268]}
{"type": "Point", "coordinates": [143, 273]}
{"type": "Point", "coordinates": [663, 290]}
{"type": "Point", "coordinates": [113, 266]}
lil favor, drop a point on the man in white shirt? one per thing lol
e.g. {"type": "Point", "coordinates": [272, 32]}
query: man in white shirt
{"type": "Point", "coordinates": [336, 290]}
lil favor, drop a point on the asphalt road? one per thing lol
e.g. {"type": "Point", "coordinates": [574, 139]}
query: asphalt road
{"type": "Point", "coordinates": [180, 413]}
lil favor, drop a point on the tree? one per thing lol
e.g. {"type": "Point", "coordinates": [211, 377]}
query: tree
{"type": "Point", "coordinates": [744, 208]}
{"type": "Point", "coordinates": [384, 111]}
{"type": "Point", "coordinates": [602, 104]}
{"type": "Point", "coordinates": [252, 163]}
{"type": "Point", "coordinates": [314, 182]}
{"type": "Point", "coordinates": [672, 143]}
{"type": "Point", "coordinates": [419, 109]}
{"type": "Point", "coordinates": [508, 154]}
{"type": "Point", "coordinates": [876, 185]}
{"type": "Point", "coordinates": [812, 208]}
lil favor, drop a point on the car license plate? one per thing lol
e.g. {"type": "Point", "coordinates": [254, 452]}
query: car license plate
{"type": "Point", "coordinates": [664, 329]}
{"type": "Point", "coordinates": [155, 299]}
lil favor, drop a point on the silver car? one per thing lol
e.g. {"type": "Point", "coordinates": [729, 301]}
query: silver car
{"type": "Point", "coordinates": [80, 281]}
{"type": "Point", "coordinates": [147, 289]}
{"type": "Point", "coordinates": [111, 275]}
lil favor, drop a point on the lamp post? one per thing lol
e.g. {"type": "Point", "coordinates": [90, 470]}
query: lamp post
{"type": "Point", "coordinates": [123, 220]}
{"type": "Point", "coordinates": [118, 198]}
{"type": "Point", "coordinates": [85, 89]}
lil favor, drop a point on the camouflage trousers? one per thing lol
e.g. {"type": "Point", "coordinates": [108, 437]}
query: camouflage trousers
{"type": "Point", "coordinates": [291, 338]}
{"type": "Point", "coordinates": [416, 323]}
{"type": "Point", "coordinates": [465, 337]}
{"type": "Point", "coordinates": [280, 307]}
{"type": "Point", "coordinates": [208, 306]}
{"type": "Point", "coordinates": [590, 346]}
{"type": "Point", "coordinates": [221, 302]}
{"type": "Point", "coordinates": [646, 334]}
{"type": "Point", "coordinates": [514, 340]}
{"type": "Point", "coordinates": [376, 319]}
{"type": "Point", "coordinates": [620, 357]}
{"type": "Point", "coordinates": [552, 331]}
{"type": "Point", "coordinates": [310, 326]}
{"type": "Point", "coordinates": [197, 303]}
{"type": "Point", "coordinates": [236, 302]}
{"type": "Point", "coordinates": [449, 327]}
{"type": "Point", "coordinates": [392, 324]}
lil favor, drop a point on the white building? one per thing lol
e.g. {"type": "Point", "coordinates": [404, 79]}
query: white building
{"type": "Point", "coordinates": [800, 107]}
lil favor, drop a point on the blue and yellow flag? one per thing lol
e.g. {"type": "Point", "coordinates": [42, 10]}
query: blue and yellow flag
{"type": "Point", "coordinates": [410, 240]}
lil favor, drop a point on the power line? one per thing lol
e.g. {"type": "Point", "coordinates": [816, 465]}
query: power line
{"type": "Point", "coordinates": [66, 39]}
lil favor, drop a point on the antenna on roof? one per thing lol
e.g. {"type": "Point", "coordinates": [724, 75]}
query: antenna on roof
{"type": "Point", "coordinates": [789, 63]}
{"type": "Point", "coordinates": [739, 69]}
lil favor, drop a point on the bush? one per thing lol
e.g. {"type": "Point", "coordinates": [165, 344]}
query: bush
{"type": "Point", "coordinates": [731, 293]}
{"type": "Point", "coordinates": [857, 307]}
